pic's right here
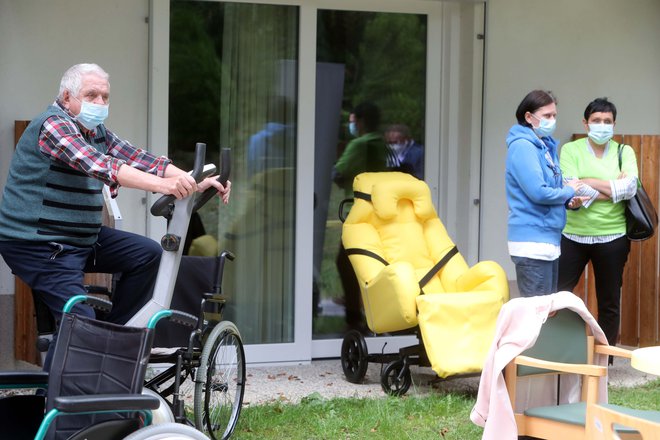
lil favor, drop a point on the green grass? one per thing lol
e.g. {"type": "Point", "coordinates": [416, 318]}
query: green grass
{"type": "Point", "coordinates": [643, 397]}
{"type": "Point", "coordinates": [437, 416]}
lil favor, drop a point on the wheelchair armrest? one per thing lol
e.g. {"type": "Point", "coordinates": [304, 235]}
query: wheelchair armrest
{"type": "Point", "coordinates": [400, 275]}
{"type": "Point", "coordinates": [23, 379]}
{"type": "Point", "coordinates": [106, 402]}
{"type": "Point", "coordinates": [485, 275]}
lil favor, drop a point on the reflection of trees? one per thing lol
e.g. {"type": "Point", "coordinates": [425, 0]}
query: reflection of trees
{"type": "Point", "coordinates": [195, 73]}
{"type": "Point", "coordinates": [385, 58]}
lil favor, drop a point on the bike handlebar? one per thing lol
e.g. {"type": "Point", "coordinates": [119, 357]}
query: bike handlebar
{"type": "Point", "coordinates": [225, 170]}
{"type": "Point", "coordinates": [164, 205]}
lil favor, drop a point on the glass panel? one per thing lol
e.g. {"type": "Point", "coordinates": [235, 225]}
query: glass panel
{"type": "Point", "coordinates": [233, 76]}
{"type": "Point", "coordinates": [362, 57]}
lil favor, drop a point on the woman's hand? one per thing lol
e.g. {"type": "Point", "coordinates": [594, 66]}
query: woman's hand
{"type": "Point", "coordinates": [575, 184]}
{"type": "Point", "coordinates": [576, 202]}
{"type": "Point", "coordinates": [212, 181]}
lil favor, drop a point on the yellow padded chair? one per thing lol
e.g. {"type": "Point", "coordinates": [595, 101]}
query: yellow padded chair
{"type": "Point", "coordinates": [410, 273]}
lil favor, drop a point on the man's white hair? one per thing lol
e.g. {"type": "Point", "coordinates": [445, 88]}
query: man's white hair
{"type": "Point", "coordinates": [72, 78]}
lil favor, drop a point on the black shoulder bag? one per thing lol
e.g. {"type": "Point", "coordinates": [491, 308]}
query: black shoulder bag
{"type": "Point", "coordinates": [641, 216]}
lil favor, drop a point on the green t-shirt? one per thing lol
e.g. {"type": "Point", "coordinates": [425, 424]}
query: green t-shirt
{"type": "Point", "coordinates": [602, 217]}
{"type": "Point", "coordinates": [367, 153]}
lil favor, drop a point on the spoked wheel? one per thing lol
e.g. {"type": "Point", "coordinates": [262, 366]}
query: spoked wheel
{"type": "Point", "coordinates": [354, 356]}
{"type": "Point", "coordinates": [396, 378]}
{"type": "Point", "coordinates": [220, 382]}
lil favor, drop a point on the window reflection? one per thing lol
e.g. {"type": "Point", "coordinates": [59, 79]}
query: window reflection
{"type": "Point", "coordinates": [372, 57]}
{"type": "Point", "coordinates": [233, 75]}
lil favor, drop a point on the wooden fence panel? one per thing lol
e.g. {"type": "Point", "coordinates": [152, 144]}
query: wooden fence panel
{"type": "Point", "coordinates": [640, 295]}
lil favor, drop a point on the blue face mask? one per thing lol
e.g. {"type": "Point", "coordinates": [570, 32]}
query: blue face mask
{"type": "Point", "coordinates": [546, 126]}
{"type": "Point", "coordinates": [352, 129]}
{"type": "Point", "coordinates": [601, 133]}
{"type": "Point", "coordinates": [92, 115]}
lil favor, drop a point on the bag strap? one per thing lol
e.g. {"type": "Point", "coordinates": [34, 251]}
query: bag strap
{"type": "Point", "coordinates": [439, 265]}
{"type": "Point", "coordinates": [619, 149]}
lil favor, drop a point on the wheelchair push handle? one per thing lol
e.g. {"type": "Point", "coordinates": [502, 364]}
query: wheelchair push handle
{"type": "Point", "coordinates": [100, 304]}
{"type": "Point", "coordinates": [162, 206]}
{"type": "Point", "coordinates": [225, 170]}
{"type": "Point", "coordinates": [219, 271]}
{"type": "Point", "coordinates": [343, 211]}
{"type": "Point", "coordinates": [175, 316]}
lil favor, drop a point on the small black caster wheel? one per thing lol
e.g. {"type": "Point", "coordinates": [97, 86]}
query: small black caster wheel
{"type": "Point", "coordinates": [396, 378]}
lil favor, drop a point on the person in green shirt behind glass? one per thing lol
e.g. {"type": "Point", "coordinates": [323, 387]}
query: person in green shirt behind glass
{"type": "Point", "coordinates": [367, 152]}
{"type": "Point", "coordinates": [597, 231]}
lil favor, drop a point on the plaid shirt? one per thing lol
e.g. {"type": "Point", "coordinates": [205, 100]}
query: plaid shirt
{"type": "Point", "coordinates": [62, 139]}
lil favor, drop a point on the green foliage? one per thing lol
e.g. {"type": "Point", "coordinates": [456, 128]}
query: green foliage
{"type": "Point", "coordinates": [385, 62]}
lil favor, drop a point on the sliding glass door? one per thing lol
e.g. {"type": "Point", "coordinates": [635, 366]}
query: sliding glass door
{"type": "Point", "coordinates": [276, 82]}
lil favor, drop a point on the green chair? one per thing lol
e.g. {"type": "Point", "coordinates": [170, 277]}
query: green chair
{"type": "Point", "coordinates": [564, 345]}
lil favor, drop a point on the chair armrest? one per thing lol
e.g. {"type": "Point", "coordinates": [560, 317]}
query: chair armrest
{"type": "Point", "coordinates": [584, 369]}
{"type": "Point", "coordinates": [106, 402]}
{"type": "Point", "coordinates": [613, 351]}
{"type": "Point", "coordinates": [23, 379]}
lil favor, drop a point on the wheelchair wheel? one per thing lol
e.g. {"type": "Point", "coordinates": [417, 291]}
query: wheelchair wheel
{"type": "Point", "coordinates": [220, 382]}
{"type": "Point", "coordinates": [169, 431]}
{"type": "Point", "coordinates": [354, 356]}
{"type": "Point", "coordinates": [396, 378]}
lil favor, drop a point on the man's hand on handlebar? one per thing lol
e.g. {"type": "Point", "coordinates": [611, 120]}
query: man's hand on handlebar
{"type": "Point", "coordinates": [180, 186]}
{"type": "Point", "coordinates": [223, 191]}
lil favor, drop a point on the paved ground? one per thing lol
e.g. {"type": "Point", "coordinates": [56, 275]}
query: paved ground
{"type": "Point", "coordinates": [324, 378]}
{"type": "Point", "coordinates": [290, 384]}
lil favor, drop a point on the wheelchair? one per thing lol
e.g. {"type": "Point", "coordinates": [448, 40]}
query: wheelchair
{"type": "Point", "coordinates": [93, 387]}
{"type": "Point", "coordinates": [211, 366]}
{"type": "Point", "coordinates": [413, 280]}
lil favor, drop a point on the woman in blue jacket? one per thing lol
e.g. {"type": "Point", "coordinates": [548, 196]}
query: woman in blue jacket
{"type": "Point", "coordinates": [536, 194]}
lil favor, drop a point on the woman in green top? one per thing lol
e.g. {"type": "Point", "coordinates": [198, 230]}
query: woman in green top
{"type": "Point", "coordinates": [597, 231]}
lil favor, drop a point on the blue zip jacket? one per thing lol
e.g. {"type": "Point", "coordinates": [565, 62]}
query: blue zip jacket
{"type": "Point", "coordinates": [534, 188]}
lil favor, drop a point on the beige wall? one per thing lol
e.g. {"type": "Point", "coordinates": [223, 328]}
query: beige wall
{"type": "Point", "coordinates": [579, 49]}
{"type": "Point", "coordinates": [529, 44]}
{"type": "Point", "coordinates": [39, 40]}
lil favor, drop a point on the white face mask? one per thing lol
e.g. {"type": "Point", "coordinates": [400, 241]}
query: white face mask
{"type": "Point", "coordinates": [601, 133]}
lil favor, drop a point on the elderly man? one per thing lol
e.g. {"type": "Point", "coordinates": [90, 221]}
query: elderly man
{"type": "Point", "coordinates": [50, 215]}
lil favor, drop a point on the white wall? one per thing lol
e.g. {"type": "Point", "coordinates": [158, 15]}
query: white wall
{"type": "Point", "coordinates": [578, 49]}
{"type": "Point", "coordinates": [39, 40]}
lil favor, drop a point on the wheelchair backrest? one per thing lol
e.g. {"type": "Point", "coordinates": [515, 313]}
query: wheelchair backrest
{"type": "Point", "coordinates": [95, 357]}
{"type": "Point", "coordinates": [393, 217]}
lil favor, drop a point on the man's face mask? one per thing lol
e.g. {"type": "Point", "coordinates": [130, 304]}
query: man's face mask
{"type": "Point", "coordinates": [92, 115]}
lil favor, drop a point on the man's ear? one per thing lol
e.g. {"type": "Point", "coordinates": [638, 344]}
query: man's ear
{"type": "Point", "coordinates": [66, 99]}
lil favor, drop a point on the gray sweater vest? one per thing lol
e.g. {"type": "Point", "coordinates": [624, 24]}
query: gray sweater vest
{"type": "Point", "coordinates": [47, 200]}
